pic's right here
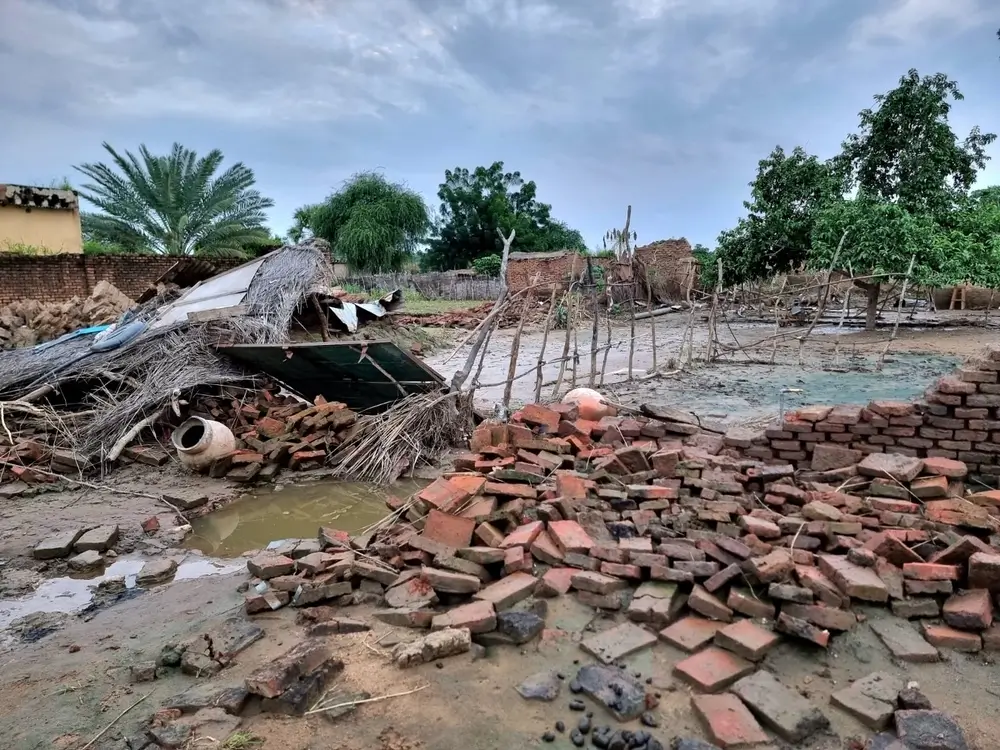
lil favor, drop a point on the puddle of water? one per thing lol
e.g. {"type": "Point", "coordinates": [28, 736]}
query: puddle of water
{"type": "Point", "coordinates": [71, 595]}
{"type": "Point", "coordinates": [292, 512]}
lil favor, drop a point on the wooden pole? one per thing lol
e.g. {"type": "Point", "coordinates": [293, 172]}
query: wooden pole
{"type": "Point", "coordinates": [593, 336]}
{"type": "Point", "coordinates": [652, 318]}
{"type": "Point", "coordinates": [631, 310]}
{"type": "Point", "coordinates": [545, 341]}
{"type": "Point", "coordinates": [515, 350]}
{"type": "Point", "coordinates": [899, 313]}
{"type": "Point", "coordinates": [568, 301]}
{"type": "Point", "coordinates": [607, 347]}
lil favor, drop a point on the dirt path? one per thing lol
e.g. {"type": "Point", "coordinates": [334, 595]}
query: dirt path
{"type": "Point", "coordinates": [80, 676]}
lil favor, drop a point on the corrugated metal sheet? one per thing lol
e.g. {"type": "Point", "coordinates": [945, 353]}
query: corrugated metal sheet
{"type": "Point", "coordinates": [365, 375]}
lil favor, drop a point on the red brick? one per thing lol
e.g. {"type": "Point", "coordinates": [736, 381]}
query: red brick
{"type": "Point", "coordinates": [442, 495]}
{"type": "Point", "coordinates": [555, 582]}
{"type": "Point", "coordinates": [540, 416]}
{"type": "Point", "coordinates": [984, 572]}
{"type": "Point", "coordinates": [760, 528]}
{"type": "Point", "coordinates": [516, 559]}
{"type": "Point", "coordinates": [853, 580]}
{"type": "Point", "coordinates": [522, 536]}
{"type": "Point", "coordinates": [943, 636]}
{"type": "Point", "coordinates": [489, 535]}
{"type": "Point", "coordinates": [890, 409]}
{"type": "Point", "coordinates": [969, 610]}
{"type": "Point", "coordinates": [508, 591]}
{"type": "Point", "coordinates": [301, 660]}
{"type": "Point", "coordinates": [665, 462]}
{"type": "Point", "coordinates": [453, 531]}
{"type": "Point", "coordinates": [746, 639]}
{"type": "Point", "coordinates": [931, 572]}
{"type": "Point", "coordinates": [929, 487]}
{"type": "Point", "coordinates": [708, 605]}
{"type": "Point", "coordinates": [571, 485]}
{"type": "Point", "coordinates": [828, 618]}
{"type": "Point", "coordinates": [988, 498]}
{"type": "Point", "coordinates": [620, 570]}
{"type": "Point", "coordinates": [478, 617]}
{"type": "Point", "coordinates": [545, 550]}
{"type": "Point", "coordinates": [802, 629]}
{"type": "Point", "coordinates": [728, 723]}
{"type": "Point", "coordinates": [713, 669]}
{"type": "Point", "coordinates": [569, 536]}
{"type": "Point", "coordinates": [775, 566]}
{"type": "Point", "coordinates": [691, 633]}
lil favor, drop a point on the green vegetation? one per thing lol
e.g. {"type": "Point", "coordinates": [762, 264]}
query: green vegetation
{"type": "Point", "coordinates": [488, 265]}
{"type": "Point", "coordinates": [896, 200]}
{"type": "Point", "coordinates": [476, 204]}
{"type": "Point", "coordinates": [372, 225]}
{"type": "Point", "coordinates": [174, 204]}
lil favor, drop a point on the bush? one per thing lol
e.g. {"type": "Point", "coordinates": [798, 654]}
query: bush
{"type": "Point", "coordinates": [488, 265]}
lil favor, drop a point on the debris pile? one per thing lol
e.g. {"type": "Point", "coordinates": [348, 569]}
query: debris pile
{"type": "Point", "coordinates": [275, 432]}
{"type": "Point", "coordinates": [29, 322]}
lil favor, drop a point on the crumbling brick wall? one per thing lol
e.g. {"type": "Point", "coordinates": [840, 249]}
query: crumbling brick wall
{"type": "Point", "coordinates": [57, 278]}
{"type": "Point", "coordinates": [670, 265]}
{"type": "Point", "coordinates": [958, 418]}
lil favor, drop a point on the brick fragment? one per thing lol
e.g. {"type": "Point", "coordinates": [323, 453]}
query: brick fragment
{"type": "Point", "coordinates": [747, 639]}
{"type": "Point", "coordinates": [728, 722]}
{"type": "Point", "coordinates": [713, 669]}
{"type": "Point", "coordinates": [969, 610]}
{"type": "Point", "coordinates": [931, 572]}
{"type": "Point", "coordinates": [943, 636]}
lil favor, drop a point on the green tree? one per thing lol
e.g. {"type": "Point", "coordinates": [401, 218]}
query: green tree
{"type": "Point", "coordinates": [174, 204]}
{"type": "Point", "coordinates": [371, 224]}
{"type": "Point", "coordinates": [785, 197]}
{"type": "Point", "coordinates": [475, 204]}
{"type": "Point", "coordinates": [488, 265]}
{"type": "Point", "coordinates": [302, 223]}
{"type": "Point", "coordinates": [907, 152]}
{"type": "Point", "coordinates": [708, 266]}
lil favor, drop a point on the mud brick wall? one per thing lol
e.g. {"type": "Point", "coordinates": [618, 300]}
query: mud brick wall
{"type": "Point", "coordinates": [958, 418]}
{"type": "Point", "coordinates": [669, 263]}
{"type": "Point", "coordinates": [57, 278]}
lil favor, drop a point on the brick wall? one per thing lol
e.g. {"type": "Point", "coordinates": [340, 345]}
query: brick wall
{"type": "Point", "coordinates": [958, 418]}
{"type": "Point", "coordinates": [57, 278]}
{"type": "Point", "coordinates": [668, 262]}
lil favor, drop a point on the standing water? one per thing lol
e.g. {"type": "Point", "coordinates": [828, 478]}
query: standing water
{"type": "Point", "coordinates": [292, 512]}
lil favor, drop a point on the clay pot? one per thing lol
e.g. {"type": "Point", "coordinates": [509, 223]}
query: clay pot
{"type": "Point", "coordinates": [199, 442]}
{"type": "Point", "coordinates": [589, 403]}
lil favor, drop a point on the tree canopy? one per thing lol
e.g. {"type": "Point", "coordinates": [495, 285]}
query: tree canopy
{"type": "Point", "coordinates": [174, 204]}
{"type": "Point", "coordinates": [899, 191]}
{"type": "Point", "coordinates": [372, 224]}
{"type": "Point", "coordinates": [475, 204]}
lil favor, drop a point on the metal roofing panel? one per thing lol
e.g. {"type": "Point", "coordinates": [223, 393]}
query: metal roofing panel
{"type": "Point", "coordinates": [365, 375]}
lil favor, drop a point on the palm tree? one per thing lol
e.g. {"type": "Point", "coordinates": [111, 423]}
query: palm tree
{"type": "Point", "coordinates": [371, 224]}
{"type": "Point", "coordinates": [175, 204]}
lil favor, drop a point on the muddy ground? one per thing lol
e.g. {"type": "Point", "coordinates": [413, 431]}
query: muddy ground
{"type": "Point", "coordinates": [53, 694]}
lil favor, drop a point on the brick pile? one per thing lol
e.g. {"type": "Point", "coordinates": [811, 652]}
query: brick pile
{"type": "Point", "coordinates": [959, 418]}
{"type": "Point", "coordinates": [275, 432]}
{"type": "Point", "coordinates": [29, 322]}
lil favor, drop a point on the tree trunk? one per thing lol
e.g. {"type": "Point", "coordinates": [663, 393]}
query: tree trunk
{"type": "Point", "coordinates": [872, 314]}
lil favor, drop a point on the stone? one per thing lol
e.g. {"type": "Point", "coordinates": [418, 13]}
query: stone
{"type": "Point", "coordinates": [156, 571]}
{"type": "Point", "coordinates": [86, 560]}
{"type": "Point", "coordinates": [911, 699]}
{"type": "Point", "coordinates": [449, 582]}
{"type": "Point", "coordinates": [895, 466]}
{"type": "Point", "coordinates": [542, 686]}
{"type": "Point", "coordinates": [929, 730]}
{"type": "Point", "coordinates": [304, 690]}
{"type": "Point", "coordinates": [337, 626]}
{"type": "Point", "coordinates": [871, 700]}
{"type": "Point", "coordinates": [616, 690]}
{"type": "Point", "coordinates": [519, 627]}
{"type": "Point", "coordinates": [780, 709]}
{"type": "Point", "coordinates": [508, 591]}
{"type": "Point", "coordinates": [268, 565]}
{"type": "Point", "coordinates": [230, 698]}
{"type": "Point", "coordinates": [905, 643]}
{"type": "Point", "coordinates": [478, 617]}
{"type": "Point", "coordinates": [709, 605]}
{"type": "Point", "coordinates": [746, 639]}
{"type": "Point", "coordinates": [54, 547]}
{"type": "Point", "coordinates": [969, 610]}
{"type": "Point", "coordinates": [614, 644]}
{"type": "Point", "coordinates": [727, 721]}
{"type": "Point", "coordinates": [144, 671]}
{"type": "Point", "coordinates": [713, 669]}
{"type": "Point", "coordinates": [437, 645]}
{"type": "Point", "coordinates": [854, 580]}
{"type": "Point", "coordinates": [100, 539]}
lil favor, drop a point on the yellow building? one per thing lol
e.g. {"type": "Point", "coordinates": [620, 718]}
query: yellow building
{"type": "Point", "coordinates": [39, 220]}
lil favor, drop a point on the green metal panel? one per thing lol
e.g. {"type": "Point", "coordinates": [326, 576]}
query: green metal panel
{"type": "Point", "coordinates": [365, 375]}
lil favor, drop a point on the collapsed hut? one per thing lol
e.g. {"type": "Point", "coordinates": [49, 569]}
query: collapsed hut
{"type": "Point", "coordinates": [274, 325]}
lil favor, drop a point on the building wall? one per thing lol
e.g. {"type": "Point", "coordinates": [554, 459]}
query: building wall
{"type": "Point", "coordinates": [57, 278]}
{"type": "Point", "coordinates": [50, 230]}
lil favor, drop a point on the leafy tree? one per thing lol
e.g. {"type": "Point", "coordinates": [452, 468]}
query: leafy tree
{"type": "Point", "coordinates": [876, 240]}
{"type": "Point", "coordinates": [488, 265]}
{"type": "Point", "coordinates": [174, 204]}
{"type": "Point", "coordinates": [907, 152]}
{"type": "Point", "coordinates": [776, 234]}
{"type": "Point", "coordinates": [302, 221]}
{"type": "Point", "coordinates": [474, 204]}
{"type": "Point", "coordinates": [969, 245]}
{"type": "Point", "coordinates": [708, 266]}
{"type": "Point", "coordinates": [371, 224]}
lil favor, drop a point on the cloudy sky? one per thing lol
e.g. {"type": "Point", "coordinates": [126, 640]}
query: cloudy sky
{"type": "Point", "coordinates": [664, 104]}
